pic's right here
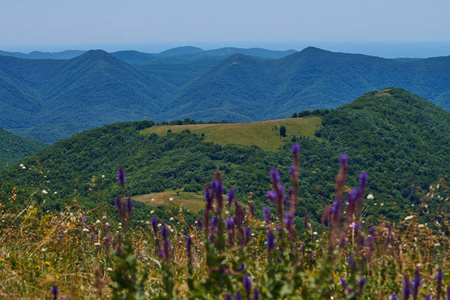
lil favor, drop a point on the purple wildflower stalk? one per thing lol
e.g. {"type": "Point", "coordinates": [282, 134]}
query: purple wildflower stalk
{"type": "Point", "coordinates": [189, 247]}
{"type": "Point", "coordinates": [231, 197]}
{"type": "Point", "coordinates": [406, 291]}
{"type": "Point", "coordinates": [247, 233]}
{"type": "Point", "coordinates": [218, 190]}
{"type": "Point", "coordinates": [54, 291]}
{"type": "Point", "coordinates": [255, 294]}
{"type": "Point", "coordinates": [208, 207]}
{"type": "Point", "coordinates": [439, 277]}
{"type": "Point", "coordinates": [247, 283]}
{"type": "Point", "coordinates": [417, 280]}
{"type": "Point", "coordinates": [121, 178]}
{"type": "Point", "coordinates": [448, 293]}
{"type": "Point", "coordinates": [230, 228]}
{"type": "Point", "coordinates": [270, 241]}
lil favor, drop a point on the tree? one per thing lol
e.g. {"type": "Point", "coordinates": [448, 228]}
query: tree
{"type": "Point", "coordinates": [283, 131]}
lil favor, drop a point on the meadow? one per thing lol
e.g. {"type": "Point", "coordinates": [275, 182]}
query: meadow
{"type": "Point", "coordinates": [228, 253]}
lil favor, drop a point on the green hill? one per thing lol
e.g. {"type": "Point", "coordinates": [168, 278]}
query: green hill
{"type": "Point", "coordinates": [14, 147]}
{"type": "Point", "coordinates": [400, 139]}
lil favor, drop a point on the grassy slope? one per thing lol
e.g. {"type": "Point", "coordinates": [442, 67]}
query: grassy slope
{"type": "Point", "coordinates": [265, 134]}
{"type": "Point", "coordinates": [190, 200]}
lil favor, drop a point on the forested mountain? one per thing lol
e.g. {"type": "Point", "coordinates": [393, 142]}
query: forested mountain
{"type": "Point", "coordinates": [14, 147]}
{"type": "Point", "coordinates": [400, 139]}
{"type": "Point", "coordinates": [51, 99]}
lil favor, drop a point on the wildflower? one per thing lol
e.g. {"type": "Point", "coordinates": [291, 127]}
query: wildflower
{"type": "Point", "coordinates": [54, 291]}
{"type": "Point", "coordinates": [427, 297]}
{"type": "Point", "coordinates": [121, 178]}
{"type": "Point", "coordinates": [170, 199]}
{"type": "Point", "coordinates": [44, 192]}
{"type": "Point", "coordinates": [154, 223]}
{"type": "Point", "coordinates": [228, 296]}
{"type": "Point", "coordinates": [439, 277]}
{"type": "Point", "coordinates": [231, 197]}
{"type": "Point", "coordinates": [85, 230]}
{"type": "Point", "coordinates": [275, 175]}
{"type": "Point", "coordinates": [295, 149]}
{"type": "Point", "coordinates": [247, 232]}
{"type": "Point", "coordinates": [417, 279]}
{"type": "Point", "coordinates": [406, 291]}
{"type": "Point", "coordinates": [98, 222]}
{"type": "Point", "coordinates": [394, 297]}
{"type": "Point", "coordinates": [255, 294]}
{"type": "Point", "coordinates": [363, 179]}
{"type": "Point", "coordinates": [289, 221]}
{"type": "Point", "coordinates": [129, 205]}
{"type": "Point", "coordinates": [270, 241]}
{"type": "Point", "coordinates": [164, 231]}
{"type": "Point", "coordinates": [351, 261]}
{"type": "Point", "coordinates": [292, 169]}
{"type": "Point", "coordinates": [247, 282]}
{"type": "Point", "coordinates": [266, 214]}
{"type": "Point", "coordinates": [189, 246]}
{"type": "Point", "coordinates": [241, 267]}
{"type": "Point", "coordinates": [252, 209]}
{"type": "Point", "coordinates": [272, 195]}
{"type": "Point", "coordinates": [370, 197]}
{"type": "Point", "coordinates": [361, 284]}
{"type": "Point", "coordinates": [409, 218]}
{"type": "Point", "coordinates": [238, 296]}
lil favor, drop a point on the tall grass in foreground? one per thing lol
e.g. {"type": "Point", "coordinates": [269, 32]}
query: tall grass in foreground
{"type": "Point", "coordinates": [228, 254]}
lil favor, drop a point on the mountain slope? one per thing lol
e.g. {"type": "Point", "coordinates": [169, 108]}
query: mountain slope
{"type": "Point", "coordinates": [14, 147]}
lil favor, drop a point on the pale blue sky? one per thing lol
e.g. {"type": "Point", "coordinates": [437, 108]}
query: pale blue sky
{"type": "Point", "coordinates": [53, 25]}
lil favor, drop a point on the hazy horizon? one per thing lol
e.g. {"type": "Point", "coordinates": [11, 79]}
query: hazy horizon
{"type": "Point", "coordinates": [387, 49]}
{"type": "Point", "coordinates": [384, 28]}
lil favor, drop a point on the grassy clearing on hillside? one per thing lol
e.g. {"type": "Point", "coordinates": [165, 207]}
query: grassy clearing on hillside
{"type": "Point", "coordinates": [190, 200]}
{"type": "Point", "coordinates": [264, 134]}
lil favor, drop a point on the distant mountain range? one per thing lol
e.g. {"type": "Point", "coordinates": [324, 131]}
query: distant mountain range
{"type": "Point", "coordinates": [49, 99]}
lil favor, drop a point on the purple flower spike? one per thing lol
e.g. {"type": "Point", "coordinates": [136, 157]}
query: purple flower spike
{"type": "Point", "coordinates": [289, 221]}
{"type": "Point", "coordinates": [427, 297]}
{"type": "Point", "coordinates": [292, 169]}
{"type": "Point", "coordinates": [275, 175]}
{"type": "Point", "coordinates": [117, 203]}
{"type": "Point", "coordinates": [406, 287]}
{"type": "Point", "coordinates": [394, 297]}
{"type": "Point", "coordinates": [189, 246]}
{"type": "Point", "coordinates": [247, 232]}
{"type": "Point", "coordinates": [129, 205]}
{"type": "Point", "coordinates": [247, 282]}
{"type": "Point", "coordinates": [252, 209]}
{"type": "Point", "coordinates": [255, 294]}
{"type": "Point", "coordinates": [238, 296]}
{"type": "Point", "coordinates": [241, 267]}
{"type": "Point", "coordinates": [164, 231]}
{"type": "Point", "coordinates": [154, 223]}
{"type": "Point", "coordinates": [272, 195]}
{"type": "Point", "coordinates": [343, 160]}
{"type": "Point", "coordinates": [295, 149]}
{"type": "Point", "coordinates": [230, 223]}
{"type": "Point", "coordinates": [417, 279]}
{"type": "Point", "coordinates": [228, 296]}
{"type": "Point", "coordinates": [266, 214]}
{"type": "Point", "coordinates": [363, 179]}
{"type": "Point", "coordinates": [270, 241]}
{"type": "Point", "coordinates": [351, 261]}
{"type": "Point", "coordinates": [231, 196]}
{"type": "Point", "coordinates": [54, 290]}
{"type": "Point", "coordinates": [362, 283]}
{"type": "Point", "coordinates": [448, 293]}
{"type": "Point", "coordinates": [121, 176]}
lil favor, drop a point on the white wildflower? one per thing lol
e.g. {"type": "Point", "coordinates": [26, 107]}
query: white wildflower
{"type": "Point", "coordinates": [170, 199]}
{"type": "Point", "coordinates": [85, 230]}
{"type": "Point", "coordinates": [44, 192]}
{"type": "Point", "coordinates": [409, 218]}
{"type": "Point", "coordinates": [370, 197]}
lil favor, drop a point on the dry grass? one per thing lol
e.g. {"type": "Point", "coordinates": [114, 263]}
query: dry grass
{"type": "Point", "coordinates": [264, 134]}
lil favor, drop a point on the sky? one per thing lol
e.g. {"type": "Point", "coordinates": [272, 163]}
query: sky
{"type": "Point", "coordinates": [408, 26]}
